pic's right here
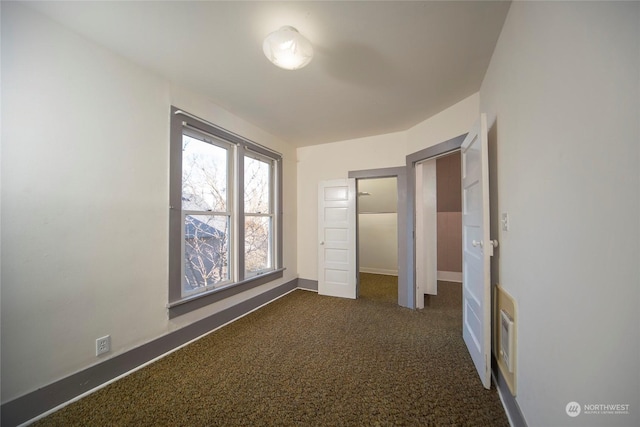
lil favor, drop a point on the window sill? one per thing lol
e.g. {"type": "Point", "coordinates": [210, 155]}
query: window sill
{"type": "Point", "coordinates": [194, 302]}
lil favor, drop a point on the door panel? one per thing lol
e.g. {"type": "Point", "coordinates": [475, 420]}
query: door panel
{"type": "Point", "coordinates": [477, 249]}
{"type": "Point", "coordinates": [426, 231]}
{"type": "Point", "coordinates": [336, 238]}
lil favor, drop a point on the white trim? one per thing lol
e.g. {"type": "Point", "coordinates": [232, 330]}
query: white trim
{"type": "Point", "coordinates": [450, 276]}
{"type": "Point", "coordinates": [426, 230]}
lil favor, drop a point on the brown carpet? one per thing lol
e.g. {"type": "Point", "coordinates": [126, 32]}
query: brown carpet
{"type": "Point", "coordinates": [310, 360]}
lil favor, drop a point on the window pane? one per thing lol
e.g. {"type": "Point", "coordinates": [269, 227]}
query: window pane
{"type": "Point", "coordinates": [204, 176]}
{"type": "Point", "coordinates": [257, 186]}
{"type": "Point", "coordinates": [206, 251]}
{"type": "Point", "coordinates": [257, 241]}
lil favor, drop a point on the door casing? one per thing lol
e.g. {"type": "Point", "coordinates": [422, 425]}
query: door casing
{"type": "Point", "coordinates": [400, 173]}
{"type": "Point", "coordinates": [438, 150]}
{"type": "Point", "coordinates": [406, 212]}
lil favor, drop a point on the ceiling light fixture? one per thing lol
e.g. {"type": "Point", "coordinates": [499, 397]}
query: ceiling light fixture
{"type": "Point", "coordinates": [287, 48]}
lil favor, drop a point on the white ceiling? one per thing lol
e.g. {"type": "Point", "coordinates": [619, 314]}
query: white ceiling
{"type": "Point", "coordinates": [379, 66]}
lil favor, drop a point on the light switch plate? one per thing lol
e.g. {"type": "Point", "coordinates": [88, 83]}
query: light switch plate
{"type": "Point", "coordinates": [504, 220]}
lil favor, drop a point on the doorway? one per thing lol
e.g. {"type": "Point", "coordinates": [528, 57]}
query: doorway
{"type": "Point", "coordinates": [377, 231]}
{"type": "Point", "coordinates": [406, 294]}
{"type": "Point", "coordinates": [478, 247]}
{"type": "Point", "coordinates": [378, 225]}
{"type": "Point", "coordinates": [438, 150]}
{"type": "Point", "coordinates": [438, 227]}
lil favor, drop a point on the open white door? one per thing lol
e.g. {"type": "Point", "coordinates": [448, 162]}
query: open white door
{"type": "Point", "coordinates": [477, 249]}
{"type": "Point", "coordinates": [337, 238]}
{"type": "Point", "coordinates": [426, 231]}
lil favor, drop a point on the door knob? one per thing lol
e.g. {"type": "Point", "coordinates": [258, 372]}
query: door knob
{"type": "Point", "coordinates": [322, 243]}
{"type": "Point", "coordinates": [476, 243]}
{"type": "Point", "coordinates": [493, 243]}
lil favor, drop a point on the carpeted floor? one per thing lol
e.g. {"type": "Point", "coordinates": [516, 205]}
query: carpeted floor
{"type": "Point", "coordinates": [310, 360]}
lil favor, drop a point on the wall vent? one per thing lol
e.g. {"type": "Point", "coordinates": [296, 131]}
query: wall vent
{"type": "Point", "coordinates": [506, 340]}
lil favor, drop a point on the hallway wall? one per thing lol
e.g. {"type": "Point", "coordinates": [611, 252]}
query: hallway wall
{"type": "Point", "coordinates": [562, 95]}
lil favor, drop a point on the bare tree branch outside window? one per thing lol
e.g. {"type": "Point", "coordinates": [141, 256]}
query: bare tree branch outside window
{"type": "Point", "coordinates": [258, 219]}
{"type": "Point", "coordinates": [208, 216]}
{"type": "Point", "coordinates": [208, 222]}
{"type": "Point", "coordinates": [225, 228]}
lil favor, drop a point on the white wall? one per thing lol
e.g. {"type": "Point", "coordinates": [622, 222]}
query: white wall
{"type": "Point", "coordinates": [378, 226]}
{"type": "Point", "coordinates": [335, 160]}
{"type": "Point", "coordinates": [454, 121]}
{"type": "Point", "coordinates": [563, 97]}
{"type": "Point", "coordinates": [378, 243]}
{"type": "Point", "coordinates": [382, 195]}
{"type": "Point", "coordinates": [85, 163]}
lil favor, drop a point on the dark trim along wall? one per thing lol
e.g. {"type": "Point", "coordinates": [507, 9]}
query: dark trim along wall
{"type": "Point", "coordinates": [38, 402]}
{"type": "Point", "coordinates": [508, 400]}
{"type": "Point", "coordinates": [202, 300]}
{"type": "Point", "coordinates": [309, 285]}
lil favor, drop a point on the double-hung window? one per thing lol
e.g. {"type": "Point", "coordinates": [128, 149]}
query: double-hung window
{"type": "Point", "coordinates": [225, 232]}
{"type": "Point", "coordinates": [259, 214]}
{"type": "Point", "coordinates": [207, 211]}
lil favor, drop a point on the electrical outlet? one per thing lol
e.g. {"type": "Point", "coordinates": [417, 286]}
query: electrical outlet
{"type": "Point", "coordinates": [103, 345]}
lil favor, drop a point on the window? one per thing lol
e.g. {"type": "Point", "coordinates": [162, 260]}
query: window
{"type": "Point", "coordinates": [206, 211]}
{"type": "Point", "coordinates": [225, 228]}
{"type": "Point", "coordinates": [258, 214]}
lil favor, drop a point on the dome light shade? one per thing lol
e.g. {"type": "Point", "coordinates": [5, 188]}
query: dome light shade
{"type": "Point", "coordinates": [287, 48]}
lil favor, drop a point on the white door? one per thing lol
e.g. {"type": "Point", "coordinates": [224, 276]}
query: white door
{"type": "Point", "coordinates": [426, 231]}
{"type": "Point", "coordinates": [337, 238]}
{"type": "Point", "coordinates": [477, 249]}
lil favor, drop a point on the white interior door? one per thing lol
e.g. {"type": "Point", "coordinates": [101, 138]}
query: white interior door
{"type": "Point", "coordinates": [337, 238]}
{"type": "Point", "coordinates": [426, 231]}
{"type": "Point", "coordinates": [477, 249]}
